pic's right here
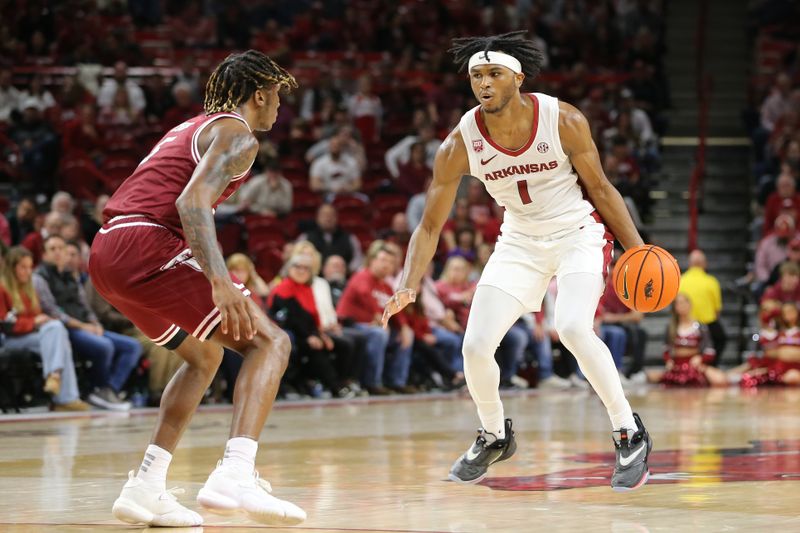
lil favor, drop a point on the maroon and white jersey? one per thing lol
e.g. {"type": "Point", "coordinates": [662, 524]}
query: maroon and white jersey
{"type": "Point", "coordinates": [789, 337]}
{"type": "Point", "coordinates": [696, 337]}
{"type": "Point", "coordinates": [153, 188]}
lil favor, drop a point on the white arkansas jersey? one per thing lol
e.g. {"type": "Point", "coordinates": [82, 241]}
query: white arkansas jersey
{"type": "Point", "coordinates": [536, 184]}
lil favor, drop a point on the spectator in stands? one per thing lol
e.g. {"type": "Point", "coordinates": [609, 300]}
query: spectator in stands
{"type": "Point", "coordinates": [777, 103]}
{"type": "Point", "coordinates": [267, 193]}
{"type": "Point", "coordinates": [83, 136]}
{"type": "Point", "coordinates": [465, 245]}
{"type": "Point", "coordinates": [162, 363]}
{"type": "Point", "coordinates": [366, 111]}
{"type": "Point", "coordinates": [184, 107]}
{"type": "Point", "coordinates": [792, 256]}
{"type": "Point", "coordinates": [460, 219]}
{"type": "Point", "coordinates": [38, 93]}
{"type": "Point", "coordinates": [120, 115]}
{"type": "Point", "coordinates": [113, 356]}
{"type": "Point", "coordinates": [23, 221]}
{"type": "Point", "coordinates": [92, 221]}
{"type": "Point", "coordinates": [629, 180]}
{"type": "Point", "coordinates": [10, 96]}
{"type": "Point", "coordinates": [30, 329]}
{"type": "Point", "coordinates": [413, 173]}
{"type": "Point", "coordinates": [617, 313]}
{"type": "Point", "coordinates": [361, 306]}
{"type": "Point", "coordinates": [34, 241]}
{"type": "Point", "coordinates": [336, 172]}
{"type": "Point", "coordinates": [416, 207]}
{"type": "Point", "coordinates": [334, 272]}
{"type": "Point", "coordinates": [397, 232]}
{"type": "Point", "coordinates": [772, 248]}
{"type": "Point", "coordinates": [787, 289]}
{"type": "Point", "coordinates": [455, 288]}
{"type": "Point", "coordinates": [190, 74]}
{"type": "Point", "coordinates": [243, 268]}
{"type": "Point", "coordinates": [62, 202]}
{"type": "Point", "coordinates": [349, 143]}
{"type": "Point", "coordinates": [109, 95]}
{"type": "Point", "coordinates": [329, 239]}
{"type": "Point", "coordinates": [292, 305]}
{"type": "Point", "coordinates": [158, 96]}
{"type": "Point", "coordinates": [785, 200]}
{"type": "Point", "coordinates": [38, 143]}
{"type": "Point", "coordinates": [401, 152]}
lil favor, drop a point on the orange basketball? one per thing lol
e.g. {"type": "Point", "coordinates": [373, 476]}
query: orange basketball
{"type": "Point", "coordinates": [646, 278]}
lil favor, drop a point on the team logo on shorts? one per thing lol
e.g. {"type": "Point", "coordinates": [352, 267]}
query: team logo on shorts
{"type": "Point", "coordinates": [542, 147]}
{"type": "Point", "coordinates": [477, 145]}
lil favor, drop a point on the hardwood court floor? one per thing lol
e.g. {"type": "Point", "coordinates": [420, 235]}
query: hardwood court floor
{"type": "Point", "coordinates": [724, 460]}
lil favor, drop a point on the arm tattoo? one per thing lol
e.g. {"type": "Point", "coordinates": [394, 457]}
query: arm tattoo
{"type": "Point", "coordinates": [197, 217]}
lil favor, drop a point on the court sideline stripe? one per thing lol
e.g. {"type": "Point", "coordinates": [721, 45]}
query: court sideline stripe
{"type": "Point", "coordinates": [229, 526]}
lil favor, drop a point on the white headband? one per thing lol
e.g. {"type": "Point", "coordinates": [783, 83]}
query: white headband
{"type": "Point", "coordinates": [495, 58]}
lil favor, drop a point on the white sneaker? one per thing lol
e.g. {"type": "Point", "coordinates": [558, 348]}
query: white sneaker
{"type": "Point", "coordinates": [555, 383]}
{"type": "Point", "coordinates": [577, 382]}
{"type": "Point", "coordinates": [139, 503]}
{"type": "Point", "coordinates": [228, 491]}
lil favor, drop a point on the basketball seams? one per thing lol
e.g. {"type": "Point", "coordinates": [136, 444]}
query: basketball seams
{"type": "Point", "coordinates": [660, 269]}
{"type": "Point", "coordinates": [639, 275]}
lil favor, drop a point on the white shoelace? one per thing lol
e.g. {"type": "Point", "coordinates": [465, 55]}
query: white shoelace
{"type": "Point", "coordinates": [171, 493]}
{"type": "Point", "coordinates": [263, 483]}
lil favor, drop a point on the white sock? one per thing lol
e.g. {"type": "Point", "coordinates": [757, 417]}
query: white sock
{"type": "Point", "coordinates": [240, 454]}
{"type": "Point", "coordinates": [624, 419]}
{"type": "Point", "coordinates": [153, 469]}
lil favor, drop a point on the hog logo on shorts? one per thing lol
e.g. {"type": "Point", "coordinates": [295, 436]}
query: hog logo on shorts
{"type": "Point", "coordinates": [542, 147]}
{"type": "Point", "coordinates": [771, 460]}
{"type": "Point", "coordinates": [648, 290]}
{"type": "Point", "coordinates": [477, 145]}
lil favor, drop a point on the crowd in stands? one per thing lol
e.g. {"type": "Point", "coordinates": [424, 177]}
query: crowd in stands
{"type": "Point", "coordinates": [320, 230]}
{"type": "Point", "coordinates": [773, 123]}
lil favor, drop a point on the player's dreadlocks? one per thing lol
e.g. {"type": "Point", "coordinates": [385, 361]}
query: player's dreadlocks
{"type": "Point", "coordinates": [236, 79]}
{"type": "Point", "coordinates": [511, 43]}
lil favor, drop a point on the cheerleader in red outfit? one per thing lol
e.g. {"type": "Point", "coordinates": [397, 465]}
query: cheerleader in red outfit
{"type": "Point", "coordinates": [784, 369]}
{"type": "Point", "coordinates": [688, 351]}
{"type": "Point", "coordinates": [747, 374]}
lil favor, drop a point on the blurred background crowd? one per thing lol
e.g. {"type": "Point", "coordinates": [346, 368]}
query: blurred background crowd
{"type": "Point", "coordinates": [319, 232]}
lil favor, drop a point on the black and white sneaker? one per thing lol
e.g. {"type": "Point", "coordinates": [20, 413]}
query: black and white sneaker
{"type": "Point", "coordinates": [631, 471]}
{"type": "Point", "coordinates": [472, 466]}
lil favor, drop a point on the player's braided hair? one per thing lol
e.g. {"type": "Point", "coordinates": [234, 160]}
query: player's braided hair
{"type": "Point", "coordinates": [235, 80]}
{"type": "Point", "coordinates": [511, 43]}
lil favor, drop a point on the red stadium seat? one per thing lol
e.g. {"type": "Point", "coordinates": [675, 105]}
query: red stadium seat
{"type": "Point", "coordinates": [265, 238]}
{"type": "Point", "coordinates": [268, 263]}
{"type": "Point", "coordinates": [230, 237]}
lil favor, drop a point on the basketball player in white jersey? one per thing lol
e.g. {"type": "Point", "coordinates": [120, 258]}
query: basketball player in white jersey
{"type": "Point", "coordinates": [536, 157]}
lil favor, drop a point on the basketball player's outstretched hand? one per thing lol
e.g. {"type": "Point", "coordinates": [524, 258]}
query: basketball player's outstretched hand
{"type": "Point", "coordinates": [234, 311]}
{"type": "Point", "coordinates": [396, 303]}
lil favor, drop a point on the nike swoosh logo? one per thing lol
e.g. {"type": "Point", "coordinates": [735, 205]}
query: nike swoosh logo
{"type": "Point", "coordinates": [471, 455]}
{"type": "Point", "coordinates": [625, 294]}
{"type": "Point", "coordinates": [625, 461]}
{"type": "Point", "coordinates": [486, 161]}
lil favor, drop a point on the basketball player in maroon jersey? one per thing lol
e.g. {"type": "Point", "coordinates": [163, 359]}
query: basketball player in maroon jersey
{"type": "Point", "coordinates": [156, 259]}
{"type": "Point", "coordinates": [536, 157]}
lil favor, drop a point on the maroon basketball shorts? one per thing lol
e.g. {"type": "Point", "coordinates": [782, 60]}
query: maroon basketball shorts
{"type": "Point", "coordinates": [148, 274]}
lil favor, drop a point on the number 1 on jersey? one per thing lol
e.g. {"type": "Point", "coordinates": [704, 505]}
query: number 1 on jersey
{"type": "Point", "coordinates": [524, 195]}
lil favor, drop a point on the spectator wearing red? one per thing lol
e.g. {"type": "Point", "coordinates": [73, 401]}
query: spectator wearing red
{"type": "Point", "coordinates": [787, 289]}
{"type": "Point", "coordinates": [34, 241]}
{"type": "Point", "coordinates": [184, 108]}
{"type": "Point", "coordinates": [366, 111]}
{"type": "Point", "coordinates": [413, 173]}
{"type": "Point", "coordinates": [785, 200]}
{"type": "Point", "coordinates": [362, 305]}
{"type": "Point", "coordinates": [82, 136]}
